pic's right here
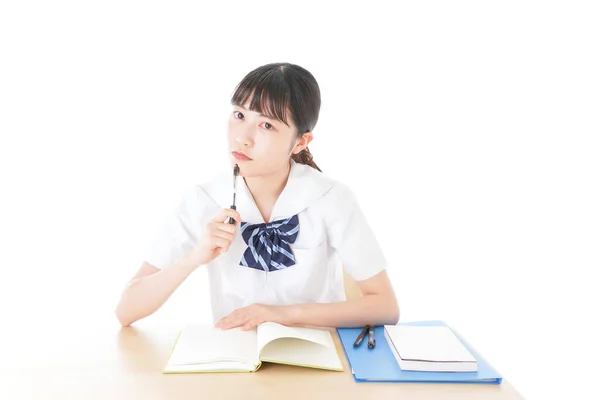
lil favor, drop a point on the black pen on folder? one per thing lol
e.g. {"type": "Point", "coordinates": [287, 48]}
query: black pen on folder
{"type": "Point", "coordinates": [360, 337]}
{"type": "Point", "coordinates": [371, 337]}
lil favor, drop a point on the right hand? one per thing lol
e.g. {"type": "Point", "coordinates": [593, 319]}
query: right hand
{"type": "Point", "coordinates": [217, 237]}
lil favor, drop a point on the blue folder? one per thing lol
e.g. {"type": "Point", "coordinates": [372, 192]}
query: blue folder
{"type": "Point", "coordinates": [380, 365]}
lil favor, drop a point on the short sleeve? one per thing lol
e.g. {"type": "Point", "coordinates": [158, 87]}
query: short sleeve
{"type": "Point", "coordinates": [351, 236]}
{"type": "Point", "coordinates": [180, 230]}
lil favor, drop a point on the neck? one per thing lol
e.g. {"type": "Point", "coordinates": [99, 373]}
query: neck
{"type": "Point", "coordinates": [269, 186]}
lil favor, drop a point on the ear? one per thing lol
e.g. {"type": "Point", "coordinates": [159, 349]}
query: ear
{"type": "Point", "coordinates": [302, 142]}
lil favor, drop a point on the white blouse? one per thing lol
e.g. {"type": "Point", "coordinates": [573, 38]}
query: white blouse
{"type": "Point", "coordinates": [332, 232]}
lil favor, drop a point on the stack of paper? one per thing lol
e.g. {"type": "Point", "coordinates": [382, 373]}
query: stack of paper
{"type": "Point", "coordinates": [428, 348]}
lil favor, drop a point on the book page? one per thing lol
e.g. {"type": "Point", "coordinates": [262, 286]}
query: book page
{"type": "Point", "coordinates": [269, 331]}
{"type": "Point", "coordinates": [198, 344]}
{"type": "Point", "coordinates": [305, 347]}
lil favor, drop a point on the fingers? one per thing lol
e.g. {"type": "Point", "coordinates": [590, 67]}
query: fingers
{"type": "Point", "coordinates": [225, 214]}
{"type": "Point", "coordinates": [225, 227]}
{"type": "Point", "coordinates": [226, 323]}
{"type": "Point", "coordinates": [246, 318]}
{"type": "Point", "coordinates": [222, 243]}
{"type": "Point", "coordinates": [221, 233]}
{"type": "Point", "coordinates": [249, 325]}
{"type": "Point", "coordinates": [232, 322]}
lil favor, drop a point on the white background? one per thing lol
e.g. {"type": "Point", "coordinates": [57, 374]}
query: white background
{"type": "Point", "coordinates": [468, 130]}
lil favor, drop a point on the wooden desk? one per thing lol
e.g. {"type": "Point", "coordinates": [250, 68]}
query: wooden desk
{"type": "Point", "coordinates": [126, 363]}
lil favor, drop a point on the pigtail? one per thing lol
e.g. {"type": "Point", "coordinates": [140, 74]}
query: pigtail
{"type": "Point", "coordinates": [305, 157]}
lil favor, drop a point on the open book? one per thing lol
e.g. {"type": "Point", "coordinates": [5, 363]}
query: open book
{"type": "Point", "coordinates": [428, 348]}
{"type": "Point", "coordinates": [204, 348]}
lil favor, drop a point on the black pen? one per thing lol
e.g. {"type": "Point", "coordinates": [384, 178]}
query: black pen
{"type": "Point", "coordinates": [371, 336]}
{"type": "Point", "coordinates": [360, 337]}
{"type": "Point", "coordinates": [236, 172]}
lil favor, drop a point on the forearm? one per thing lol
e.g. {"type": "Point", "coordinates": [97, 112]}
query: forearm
{"type": "Point", "coordinates": [143, 296]}
{"type": "Point", "coordinates": [373, 309]}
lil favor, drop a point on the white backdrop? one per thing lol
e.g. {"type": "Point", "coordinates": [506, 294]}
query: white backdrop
{"type": "Point", "coordinates": [468, 130]}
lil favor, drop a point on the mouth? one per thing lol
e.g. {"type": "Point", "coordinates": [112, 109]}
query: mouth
{"type": "Point", "coordinates": [240, 156]}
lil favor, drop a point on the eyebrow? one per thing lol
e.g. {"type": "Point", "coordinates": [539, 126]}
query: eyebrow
{"type": "Point", "coordinates": [262, 115]}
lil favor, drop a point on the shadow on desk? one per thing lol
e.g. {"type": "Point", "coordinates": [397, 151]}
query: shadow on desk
{"type": "Point", "coordinates": [140, 351]}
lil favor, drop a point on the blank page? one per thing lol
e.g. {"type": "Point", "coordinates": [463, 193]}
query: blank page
{"type": "Point", "coordinates": [205, 343]}
{"type": "Point", "coordinates": [303, 353]}
{"type": "Point", "coordinates": [270, 331]}
{"type": "Point", "coordinates": [429, 343]}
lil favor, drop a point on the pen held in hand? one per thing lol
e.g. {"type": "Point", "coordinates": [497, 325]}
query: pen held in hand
{"type": "Point", "coordinates": [236, 172]}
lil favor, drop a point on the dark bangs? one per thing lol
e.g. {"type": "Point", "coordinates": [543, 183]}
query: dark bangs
{"type": "Point", "coordinates": [285, 92]}
{"type": "Point", "coordinates": [282, 91]}
{"type": "Point", "coordinates": [270, 93]}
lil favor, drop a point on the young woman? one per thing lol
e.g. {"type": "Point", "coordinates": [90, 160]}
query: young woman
{"type": "Point", "coordinates": [296, 229]}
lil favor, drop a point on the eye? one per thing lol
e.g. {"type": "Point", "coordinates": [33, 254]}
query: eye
{"type": "Point", "coordinates": [268, 126]}
{"type": "Point", "coordinates": [235, 115]}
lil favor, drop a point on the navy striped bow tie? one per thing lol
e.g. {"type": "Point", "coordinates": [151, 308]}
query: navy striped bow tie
{"type": "Point", "coordinates": [269, 244]}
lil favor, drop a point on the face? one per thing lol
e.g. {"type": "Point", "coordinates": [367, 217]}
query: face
{"type": "Point", "coordinates": [269, 143]}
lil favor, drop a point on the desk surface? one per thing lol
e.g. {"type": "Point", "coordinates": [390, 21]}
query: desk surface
{"type": "Point", "coordinates": [126, 363]}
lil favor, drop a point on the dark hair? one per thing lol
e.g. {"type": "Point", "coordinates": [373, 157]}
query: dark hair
{"type": "Point", "coordinates": [281, 87]}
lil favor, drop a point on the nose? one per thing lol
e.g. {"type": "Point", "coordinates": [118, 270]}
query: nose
{"type": "Point", "coordinates": [244, 137]}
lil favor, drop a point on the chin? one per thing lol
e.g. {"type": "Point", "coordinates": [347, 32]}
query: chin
{"type": "Point", "coordinates": [249, 173]}
{"type": "Point", "coordinates": [254, 168]}
{"type": "Point", "coordinates": [246, 170]}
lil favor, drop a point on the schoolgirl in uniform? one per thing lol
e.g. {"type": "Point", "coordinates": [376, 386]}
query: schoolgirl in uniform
{"type": "Point", "coordinates": [295, 229]}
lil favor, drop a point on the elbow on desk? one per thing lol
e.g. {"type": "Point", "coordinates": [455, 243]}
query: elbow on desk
{"type": "Point", "coordinates": [125, 308]}
{"type": "Point", "coordinates": [124, 315]}
{"type": "Point", "coordinates": [393, 312]}
{"type": "Point", "coordinates": [125, 322]}
{"type": "Point", "coordinates": [394, 315]}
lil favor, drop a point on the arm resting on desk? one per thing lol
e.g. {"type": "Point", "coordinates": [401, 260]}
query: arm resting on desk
{"type": "Point", "coordinates": [377, 306]}
{"type": "Point", "coordinates": [148, 290]}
